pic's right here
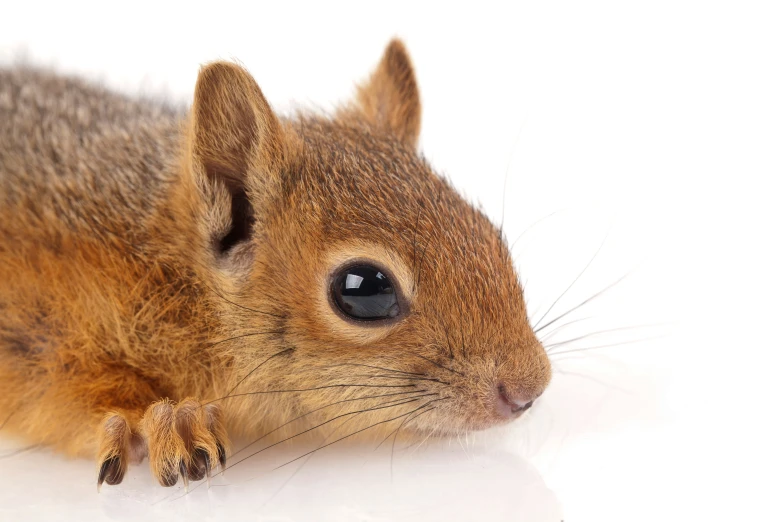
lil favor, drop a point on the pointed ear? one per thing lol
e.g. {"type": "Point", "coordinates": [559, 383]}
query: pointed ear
{"type": "Point", "coordinates": [390, 98]}
{"type": "Point", "coordinates": [232, 124]}
{"type": "Point", "coordinates": [233, 132]}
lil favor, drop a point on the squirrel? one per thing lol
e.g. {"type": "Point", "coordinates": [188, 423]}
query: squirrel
{"type": "Point", "coordinates": [174, 278]}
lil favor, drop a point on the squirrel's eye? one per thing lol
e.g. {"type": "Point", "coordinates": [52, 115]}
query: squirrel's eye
{"type": "Point", "coordinates": [364, 292]}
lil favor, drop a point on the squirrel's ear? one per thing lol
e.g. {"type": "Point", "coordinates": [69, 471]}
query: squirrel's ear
{"type": "Point", "coordinates": [233, 132]}
{"type": "Point", "coordinates": [390, 98]}
{"type": "Point", "coordinates": [232, 126]}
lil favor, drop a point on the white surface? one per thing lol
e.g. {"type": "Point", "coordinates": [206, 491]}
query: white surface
{"type": "Point", "coordinates": [658, 123]}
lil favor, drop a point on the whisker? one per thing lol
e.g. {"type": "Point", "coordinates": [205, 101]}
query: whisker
{"type": "Point", "coordinates": [424, 253]}
{"type": "Point", "coordinates": [432, 431]}
{"type": "Point", "coordinates": [265, 332]}
{"type": "Point", "coordinates": [572, 283]}
{"type": "Point", "coordinates": [600, 332]}
{"type": "Point", "coordinates": [19, 451]}
{"type": "Point", "coordinates": [211, 345]}
{"type": "Point", "coordinates": [8, 418]}
{"type": "Point", "coordinates": [415, 252]}
{"type": "Point", "coordinates": [595, 380]}
{"type": "Point", "coordinates": [293, 436]}
{"type": "Point", "coordinates": [389, 435]}
{"type": "Point", "coordinates": [569, 323]}
{"type": "Point", "coordinates": [594, 296]}
{"type": "Point", "coordinates": [324, 439]}
{"type": "Point", "coordinates": [379, 407]}
{"type": "Point", "coordinates": [282, 352]}
{"type": "Point", "coordinates": [431, 379]}
{"type": "Point", "coordinates": [356, 432]}
{"type": "Point", "coordinates": [448, 343]}
{"type": "Point", "coordinates": [397, 431]}
{"type": "Point", "coordinates": [374, 367]}
{"type": "Point", "coordinates": [588, 348]}
{"type": "Point", "coordinates": [532, 225]}
{"type": "Point", "coordinates": [319, 409]}
{"type": "Point", "coordinates": [263, 392]}
{"type": "Point", "coordinates": [436, 364]}
{"type": "Point", "coordinates": [243, 307]}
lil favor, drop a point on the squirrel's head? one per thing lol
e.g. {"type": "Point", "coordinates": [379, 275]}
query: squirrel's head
{"type": "Point", "coordinates": [349, 269]}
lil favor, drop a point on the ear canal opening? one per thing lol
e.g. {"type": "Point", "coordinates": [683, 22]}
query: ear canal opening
{"type": "Point", "coordinates": [242, 220]}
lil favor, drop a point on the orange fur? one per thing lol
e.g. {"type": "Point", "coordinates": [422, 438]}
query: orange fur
{"type": "Point", "coordinates": [150, 260]}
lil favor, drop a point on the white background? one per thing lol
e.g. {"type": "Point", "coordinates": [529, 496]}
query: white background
{"type": "Point", "coordinates": [655, 125]}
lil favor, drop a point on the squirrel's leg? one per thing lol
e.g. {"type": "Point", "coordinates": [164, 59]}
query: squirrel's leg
{"type": "Point", "coordinates": [184, 439]}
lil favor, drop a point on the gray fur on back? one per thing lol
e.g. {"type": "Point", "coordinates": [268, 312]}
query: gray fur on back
{"type": "Point", "coordinates": [73, 149]}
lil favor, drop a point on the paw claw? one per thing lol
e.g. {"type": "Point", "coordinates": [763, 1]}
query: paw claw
{"type": "Point", "coordinates": [184, 440]}
{"type": "Point", "coordinates": [183, 471]}
{"type": "Point", "coordinates": [111, 471]}
{"type": "Point", "coordinates": [199, 465]}
{"type": "Point", "coordinates": [114, 447]}
{"type": "Point", "coordinates": [221, 456]}
{"type": "Point", "coordinates": [168, 479]}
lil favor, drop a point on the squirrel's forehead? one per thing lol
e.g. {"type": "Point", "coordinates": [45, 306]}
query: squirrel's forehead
{"type": "Point", "coordinates": [376, 187]}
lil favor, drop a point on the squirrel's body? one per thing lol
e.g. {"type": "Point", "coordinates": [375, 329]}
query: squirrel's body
{"type": "Point", "coordinates": [100, 300]}
{"type": "Point", "coordinates": [167, 274]}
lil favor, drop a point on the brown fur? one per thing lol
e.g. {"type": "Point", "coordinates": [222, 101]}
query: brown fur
{"type": "Point", "coordinates": [150, 260]}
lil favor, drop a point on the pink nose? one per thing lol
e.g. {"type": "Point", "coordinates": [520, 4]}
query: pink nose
{"type": "Point", "coordinates": [512, 404]}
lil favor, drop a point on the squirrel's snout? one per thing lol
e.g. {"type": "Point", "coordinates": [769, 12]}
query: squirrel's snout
{"type": "Point", "coordinates": [512, 403]}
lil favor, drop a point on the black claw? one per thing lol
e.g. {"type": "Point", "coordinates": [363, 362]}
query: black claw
{"type": "Point", "coordinates": [169, 479]}
{"type": "Point", "coordinates": [221, 456]}
{"type": "Point", "coordinates": [183, 471]}
{"type": "Point", "coordinates": [199, 465]}
{"type": "Point", "coordinates": [111, 471]}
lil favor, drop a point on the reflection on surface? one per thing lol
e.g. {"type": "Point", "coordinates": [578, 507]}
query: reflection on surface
{"type": "Point", "coordinates": [349, 482]}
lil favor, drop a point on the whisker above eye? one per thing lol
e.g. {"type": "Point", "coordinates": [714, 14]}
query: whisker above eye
{"type": "Point", "coordinates": [421, 259]}
{"type": "Point", "coordinates": [415, 251]}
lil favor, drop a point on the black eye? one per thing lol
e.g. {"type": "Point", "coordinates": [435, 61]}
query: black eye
{"type": "Point", "coordinates": [365, 293]}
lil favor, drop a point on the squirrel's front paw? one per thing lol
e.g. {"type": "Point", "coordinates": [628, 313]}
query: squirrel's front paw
{"type": "Point", "coordinates": [184, 439]}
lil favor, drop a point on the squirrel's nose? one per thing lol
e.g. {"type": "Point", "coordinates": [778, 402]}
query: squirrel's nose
{"type": "Point", "coordinates": [511, 403]}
